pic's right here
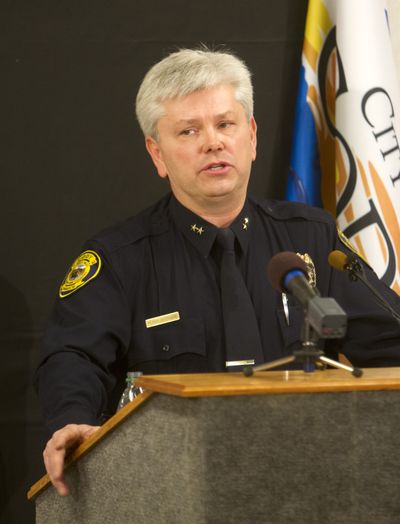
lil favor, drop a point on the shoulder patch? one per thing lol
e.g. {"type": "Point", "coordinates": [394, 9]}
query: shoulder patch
{"type": "Point", "coordinates": [84, 269]}
{"type": "Point", "coordinates": [345, 241]}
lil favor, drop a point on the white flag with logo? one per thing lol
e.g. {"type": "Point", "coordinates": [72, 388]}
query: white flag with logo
{"type": "Point", "coordinates": [353, 93]}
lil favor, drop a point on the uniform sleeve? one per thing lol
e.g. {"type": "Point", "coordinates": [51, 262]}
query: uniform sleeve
{"type": "Point", "coordinates": [373, 335]}
{"type": "Point", "coordinates": [88, 333]}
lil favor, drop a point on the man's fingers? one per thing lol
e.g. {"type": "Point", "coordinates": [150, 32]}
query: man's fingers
{"type": "Point", "coordinates": [54, 463]}
{"type": "Point", "coordinates": [61, 486]}
{"type": "Point", "coordinates": [56, 449]}
{"type": "Point", "coordinates": [89, 431]}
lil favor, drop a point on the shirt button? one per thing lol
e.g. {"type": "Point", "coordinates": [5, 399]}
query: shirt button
{"type": "Point", "coordinates": [165, 347]}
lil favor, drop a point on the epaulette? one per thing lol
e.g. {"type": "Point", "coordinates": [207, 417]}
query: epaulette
{"type": "Point", "coordinates": [149, 222]}
{"type": "Point", "coordinates": [285, 210]}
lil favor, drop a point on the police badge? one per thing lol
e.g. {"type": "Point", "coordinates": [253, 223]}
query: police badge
{"type": "Point", "coordinates": [311, 273]}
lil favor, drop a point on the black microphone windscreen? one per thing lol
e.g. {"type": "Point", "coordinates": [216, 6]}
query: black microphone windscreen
{"type": "Point", "coordinates": [280, 265]}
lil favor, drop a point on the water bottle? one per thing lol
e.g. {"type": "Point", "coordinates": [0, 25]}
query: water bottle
{"type": "Point", "coordinates": [131, 391]}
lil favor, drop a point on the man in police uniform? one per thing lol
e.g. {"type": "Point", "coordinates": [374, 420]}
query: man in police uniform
{"type": "Point", "coordinates": [145, 294]}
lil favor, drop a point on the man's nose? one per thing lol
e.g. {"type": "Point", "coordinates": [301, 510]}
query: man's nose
{"type": "Point", "coordinates": [213, 141]}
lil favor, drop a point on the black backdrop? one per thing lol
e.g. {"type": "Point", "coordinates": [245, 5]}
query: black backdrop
{"type": "Point", "coordinates": [72, 157]}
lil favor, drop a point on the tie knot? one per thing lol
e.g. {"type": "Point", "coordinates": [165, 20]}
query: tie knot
{"type": "Point", "coordinates": [226, 239]}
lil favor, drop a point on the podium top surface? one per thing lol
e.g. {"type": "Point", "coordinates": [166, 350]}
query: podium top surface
{"type": "Point", "coordinates": [270, 382]}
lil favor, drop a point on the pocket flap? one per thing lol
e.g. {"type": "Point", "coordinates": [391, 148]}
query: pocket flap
{"type": "Point", "coordinates": [169, 340]}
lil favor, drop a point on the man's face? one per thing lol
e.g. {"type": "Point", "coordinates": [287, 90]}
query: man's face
{"type": "Point", "coordinates": [206, 147]}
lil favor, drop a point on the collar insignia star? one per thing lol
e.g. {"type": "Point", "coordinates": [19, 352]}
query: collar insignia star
{"type": "Point", "coordinates": [196, 229]}
{"type": "Point", "coordinates": [245, 223]}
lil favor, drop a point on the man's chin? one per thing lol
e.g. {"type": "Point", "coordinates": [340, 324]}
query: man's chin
{"type": "Point", "coordinates": [220, 189]}
{"type": "Point", "coordinates": [219, 195]}
{"type": "Point", "coordinates": [225, 192]}
{"type": "Point", "coordinates": [226, 199]}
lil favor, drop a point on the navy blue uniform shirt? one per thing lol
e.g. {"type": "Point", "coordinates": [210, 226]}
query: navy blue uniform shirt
{"type": "Point", "coordinates": [163, 261]}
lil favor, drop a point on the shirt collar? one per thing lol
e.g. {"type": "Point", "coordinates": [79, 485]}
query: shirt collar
{"type": "Point", "coordinates": [201, 234]}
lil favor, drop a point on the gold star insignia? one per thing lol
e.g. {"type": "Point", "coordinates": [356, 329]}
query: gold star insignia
{"type": "Point", "coordinates": [245, 223]}
{"type": "Point", "coordinates": [196, 229]}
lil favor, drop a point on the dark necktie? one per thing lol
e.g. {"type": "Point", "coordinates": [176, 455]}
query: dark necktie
{"type": "Point", "coordinates": [242, 339]}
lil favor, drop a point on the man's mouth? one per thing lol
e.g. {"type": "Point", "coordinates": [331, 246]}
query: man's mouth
{"type": "Point", "coordinates": [216, 166]}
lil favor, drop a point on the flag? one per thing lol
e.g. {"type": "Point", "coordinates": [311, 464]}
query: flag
{"type": "Point", "coordinates": [346, 153]}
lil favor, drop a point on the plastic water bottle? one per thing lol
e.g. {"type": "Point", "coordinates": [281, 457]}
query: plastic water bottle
{"type": "Point", "coordinates": [131, 391]}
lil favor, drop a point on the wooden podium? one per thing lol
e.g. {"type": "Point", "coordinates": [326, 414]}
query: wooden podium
{"type": "Point", "coordinates": [278, 447]}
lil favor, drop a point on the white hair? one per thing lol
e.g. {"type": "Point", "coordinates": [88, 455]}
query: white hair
{"type": "Point", "coordinates": [185, 72]}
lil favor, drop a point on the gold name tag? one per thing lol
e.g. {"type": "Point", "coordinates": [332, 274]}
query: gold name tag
{"type": "Point", "coordinates": [162, 319]}
{"type": "Point", "coordinates": [232, 363]}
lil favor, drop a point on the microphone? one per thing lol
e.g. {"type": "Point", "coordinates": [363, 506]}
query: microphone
{"type": "Point", "coordinates": [287, 273]}
{"type": "Point", "coordinates": [342, 262]}
{"type": "Point", "coordinates": [351, 264]}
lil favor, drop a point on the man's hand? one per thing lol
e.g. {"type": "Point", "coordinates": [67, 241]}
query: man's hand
{"type": "Point", "coordinates": [64, 439]}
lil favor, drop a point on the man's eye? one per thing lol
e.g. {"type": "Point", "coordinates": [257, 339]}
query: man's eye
{"type": "Point", "coordinates": [225, 125]}
{"type": "Point", "coordinates": [188, 132]}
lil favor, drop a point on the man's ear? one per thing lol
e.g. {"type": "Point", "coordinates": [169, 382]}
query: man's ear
{"type": "Point", "coordinates": [253, 136]}
{"type": "Point", "coordinates": [156, 155]}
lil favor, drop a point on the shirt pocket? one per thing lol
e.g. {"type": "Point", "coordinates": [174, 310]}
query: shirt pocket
{"type": "Point", "coordinates": [165, 342]}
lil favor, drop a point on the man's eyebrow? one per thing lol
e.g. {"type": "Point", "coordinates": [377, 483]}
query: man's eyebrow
{"type": "Point", "coordinates": [187, 121]}
{"type": "Point", "coordinates": [226, 114]}
{"type": "Point", "coordinates": [192, 121]}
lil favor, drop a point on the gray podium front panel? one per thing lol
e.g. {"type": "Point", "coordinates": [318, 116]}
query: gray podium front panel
{"type": "Point", "coordinates": [305, 458]}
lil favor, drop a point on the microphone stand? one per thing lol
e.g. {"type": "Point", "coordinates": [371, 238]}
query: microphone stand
{"type": "Point", "coordinates": [309, 355]}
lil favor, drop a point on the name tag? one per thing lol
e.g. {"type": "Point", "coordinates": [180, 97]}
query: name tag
{"type": "Point", "coordinates": [232, 363]}
{"type": "Point", "coordinates": [162, 319]}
